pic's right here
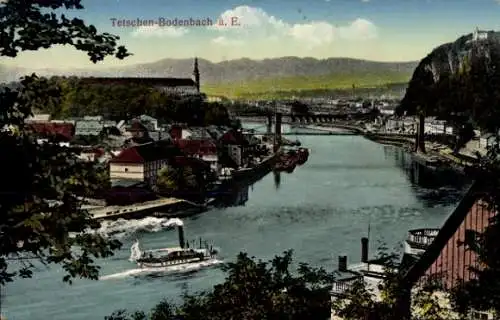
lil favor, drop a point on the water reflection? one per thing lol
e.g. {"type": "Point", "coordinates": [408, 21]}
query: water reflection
{"type": "Point", "coordinates": [277, 179]}
{"type": "Point", "coordinates": [233, 196]}
{"type": "Point", "coordinates": [442, 186]}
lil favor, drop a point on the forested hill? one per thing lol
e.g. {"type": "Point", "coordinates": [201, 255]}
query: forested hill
{"type": "Point", "coordinates": [456, 78]}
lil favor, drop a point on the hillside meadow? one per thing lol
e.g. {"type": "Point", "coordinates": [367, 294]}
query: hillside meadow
{"type": "Point", "coordinates": [306, 85]}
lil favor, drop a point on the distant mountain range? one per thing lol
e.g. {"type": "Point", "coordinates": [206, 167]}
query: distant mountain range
{"type": "Point", "coordinates": [241, 70]}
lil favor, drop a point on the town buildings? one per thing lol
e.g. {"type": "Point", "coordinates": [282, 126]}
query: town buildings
{"type": "Point", "coordinates": [141, 163]}
{"type": "Point", "coordinates": [409, 125]}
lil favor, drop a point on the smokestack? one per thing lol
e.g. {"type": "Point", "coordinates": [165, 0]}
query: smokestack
{"type": "Point", "coordinates": [181, 236]}
{"type": "Point", "coordinates": [277, 132]}
{"type": "Point", "coordinates": [342, 263]}
{"type": "Point", "coordinates": [269, 124]}
{"type": "Point", "coordinates": [364, 250]}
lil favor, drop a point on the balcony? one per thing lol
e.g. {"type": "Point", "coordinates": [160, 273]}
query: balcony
{"type": "Point", "coordinates": [342, 285]}
{"type": "Point", "coordinates": [419, 240]}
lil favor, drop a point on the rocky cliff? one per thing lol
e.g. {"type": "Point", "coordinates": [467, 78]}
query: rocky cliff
{"type": "Point", "coordinates": [448, 60]}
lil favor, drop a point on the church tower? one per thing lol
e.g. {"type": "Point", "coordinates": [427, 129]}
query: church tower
{"type": "Point", "coordinates": [196, 74]}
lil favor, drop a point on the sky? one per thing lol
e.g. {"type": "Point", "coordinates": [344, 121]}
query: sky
{"type": "Point", "coordinates": [381, 30]}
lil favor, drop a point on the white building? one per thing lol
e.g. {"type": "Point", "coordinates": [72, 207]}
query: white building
{"type": "Point", "coordinates": [401, 125]}
{"type": "Point", "coordinates": [39, 118]}
{"type": "Point", "coordinates": [433, 126]}
{"type": "Point", "coordinates": [140, 163]}
{"type": "Point", "coordinates": [478, 35]}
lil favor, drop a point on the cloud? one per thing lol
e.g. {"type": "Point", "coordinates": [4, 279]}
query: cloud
{"type": "Point", "coordinates": [224, 41]}
{"type": "Point", "coordinates": [244, 18]}
{"type": "Point", "coordinates": [160, 32]}
{"type": "Point", "coordinates": [258, 24]}
{"type": "Point", "coordinates": [369, 0]}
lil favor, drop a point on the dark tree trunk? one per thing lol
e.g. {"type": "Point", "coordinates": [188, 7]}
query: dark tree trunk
{"type": "Point", "coordinates": [403, 305]}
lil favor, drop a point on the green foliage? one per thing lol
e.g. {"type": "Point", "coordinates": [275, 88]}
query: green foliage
{"type": "Point", "coordinates": [33, 25]}
{"type": "Point", "coordinates": [244, 109]}
{"type": "Point", "coordinates": [39, 207]}
{"type": "Point", "coordinates": [254, 289]}
{"type": "Point", "coordinates": [431, 304]}
{"type": "Point", "coordinates": [124, 101]}
{"type": "Point", "coordinates": [306, 85]}
{"type": "Point", "coordinates": [168, 179]}
{"type": "Point", "coordinates": [178, 179]}
{"type": "Point", "coordinates": [188, 180]}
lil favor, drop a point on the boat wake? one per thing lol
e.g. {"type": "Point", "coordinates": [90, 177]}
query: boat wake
{"type": "Point", "coordinates": [162, 270]}
{"type": "Point", "coordinates": [122, 228]}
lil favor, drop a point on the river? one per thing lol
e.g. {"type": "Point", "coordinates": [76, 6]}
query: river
{"type": "Point", "coordinates": [321, 211]}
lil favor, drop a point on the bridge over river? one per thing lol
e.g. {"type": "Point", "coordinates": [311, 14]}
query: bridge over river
{"type": "Point", "coordinates": [298, 129]}
{"type": "Point", "coordinates": [305, 118]}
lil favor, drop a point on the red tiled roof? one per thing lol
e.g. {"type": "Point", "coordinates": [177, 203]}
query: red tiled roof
{"type": "Point", "coordinates": [196, 146]}
{"type": "Point", "coordinates": [129, 155]}
{"type": "Point", "coordinates": [146, 152]}
{"type": "Point", "coordinates": [65, 130]}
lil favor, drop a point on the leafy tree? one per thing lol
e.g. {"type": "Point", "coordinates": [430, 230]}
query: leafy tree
{"type": "Point", "coordinates": [216, 114]}
{"type": "Point", "coordinates": [189, 180]}
{"type": "Point", "coordinates": [181, 179]}
{"type": "Point", "coordinates": [39, 207]}
{"type": "Point", "coordinates": [253, 289]}
{"type": "Point", "coordinates": [122, 101]}
{"type": "Point", "coordinates": [36, 24]}
{"type": "Point", "coordinates": [168, 179]}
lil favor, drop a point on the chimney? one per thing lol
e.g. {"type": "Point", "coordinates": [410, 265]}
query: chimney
{"type": "Point", "coordinates": [342, 264]}
{"type": "Point", "coordinates": [181, 236]}
{"type": "Point", "coordinates": [364, 250]}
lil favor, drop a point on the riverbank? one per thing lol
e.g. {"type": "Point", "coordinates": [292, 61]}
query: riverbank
{"type": "Point", "coordinates": [442, 153]}
{"type": "Point", "coordinates": [163, 207]}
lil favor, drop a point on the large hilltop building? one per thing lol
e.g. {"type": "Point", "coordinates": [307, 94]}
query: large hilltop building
{"type": "Point", "coordinates": [182, 86]}
{"type": "Point", "coordinates": [478, 35]}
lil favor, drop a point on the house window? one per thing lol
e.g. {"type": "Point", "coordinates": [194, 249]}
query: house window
{"type": "Point", "coordinates": [126, 169]}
